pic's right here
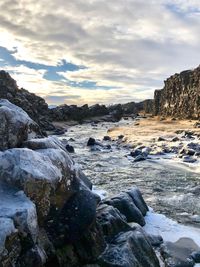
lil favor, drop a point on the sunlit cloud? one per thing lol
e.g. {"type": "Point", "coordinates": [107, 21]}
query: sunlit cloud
{"type": "Point", "coordinates": [121, 49]}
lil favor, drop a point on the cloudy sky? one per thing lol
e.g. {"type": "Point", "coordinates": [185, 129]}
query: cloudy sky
{"type": "Point", "coordinates": [89, 51]}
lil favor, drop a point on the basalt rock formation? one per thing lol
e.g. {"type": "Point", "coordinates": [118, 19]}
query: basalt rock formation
{"type": "Point", "coordinates": [180, 96]}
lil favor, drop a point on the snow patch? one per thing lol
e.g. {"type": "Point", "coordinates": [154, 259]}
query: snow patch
{"type": "Point", "coordinates": [170, 230]}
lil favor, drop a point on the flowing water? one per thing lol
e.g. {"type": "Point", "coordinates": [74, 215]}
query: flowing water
{"type": "Point", "coordinates": [167, 188]}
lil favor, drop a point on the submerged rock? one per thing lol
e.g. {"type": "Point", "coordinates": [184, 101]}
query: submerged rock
{"type": "Point", "coordinates": [70, 148]}
{"type": "Point", "coordinates": [91, 142]}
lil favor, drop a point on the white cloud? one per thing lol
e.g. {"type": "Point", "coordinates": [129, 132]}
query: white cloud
{"type": "Point", "coordinates": [131, 44]}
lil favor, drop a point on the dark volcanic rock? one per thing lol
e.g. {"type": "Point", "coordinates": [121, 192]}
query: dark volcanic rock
{"type": "Point", "coordinates": [74, 218]}
{"type": "Point", "coordinates": [70, 148]}
{"type": "Point", "coordinates": [125, 204]}
{"type": "Point", "coordinates": [111, 221]}
{"type": "Point", "coordinates": [91, 142]}
{"type": "Point", "coordinates": [129, 249]}
{"type": "Point", "coordinates": [180, 96]}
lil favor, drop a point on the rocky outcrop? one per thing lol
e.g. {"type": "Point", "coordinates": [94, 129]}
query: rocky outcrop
{"type": "Point", "coordinates": [180, 96]}
{"type": "Point", "coordinates": [35, 106]}
{"type": "Point", "coordinates": [16, 126]}
{"type": "Point", "coordinates": [49, 215]}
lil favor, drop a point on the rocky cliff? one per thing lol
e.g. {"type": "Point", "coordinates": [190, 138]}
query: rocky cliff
{"type": "Point", "coordinates": [35, 106]}
{"type": "Point", "coordinates": [38, 110]}
{"type": "Point", "coordinates": [180, 96]}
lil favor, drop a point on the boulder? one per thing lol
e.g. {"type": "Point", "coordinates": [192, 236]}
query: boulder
{"type": "Point", "coordinates": [111, 221]}
{"type": "Point", "coordinates": [107, 138]}
{"type": "Point", "coordinates": [137, 198]}
{"type": "Point", "coordinates": [125, 204]}
{"type": "Point", "coordinates": [70, 148]}
{"type": "Point", "coordinates": [91, 142]}
{"type": "Point", "coordinates": [47, 176]}
{"type": "Point", "coordinates": [129, 249]}
{"type": "Point", "coordinates": [75, 217]}
{"type": "Point", "coordinates": [16, 126]}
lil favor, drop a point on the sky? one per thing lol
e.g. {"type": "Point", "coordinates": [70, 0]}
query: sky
{"type": "Point", "coordinates": [97, 51]}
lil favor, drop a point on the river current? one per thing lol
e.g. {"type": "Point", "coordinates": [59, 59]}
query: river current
{"type": "Point", "coordinates": [169, 189]}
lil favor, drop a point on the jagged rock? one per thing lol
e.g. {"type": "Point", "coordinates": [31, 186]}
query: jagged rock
{"type": "Point", "coordinates": [111, 221]}
{"type": "Point", "coordinates": [33, 105]}
{"type": "Point", "coordinates": [70, 148]}
{"type": "Point", "coordinates": [137, 198]}
{"type": "Point", "coordinates": [180, 96]}
{"type": "Point", "coordinates": [91, 142]}
{"type": "Point", "coordinates": [47, 176]}
{"type": "Point", "coordinates": [125, 204]}
{"type": "Point", "coordinates": [77, 214]}
{"type": "Point", "coordinates": [16, 126]}
{"type": "Point", "coordinates": [129, 249]}
{"type": "Point", "coordinates": [155, 240]}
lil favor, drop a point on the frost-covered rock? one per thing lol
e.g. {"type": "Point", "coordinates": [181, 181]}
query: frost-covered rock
{"type": "Point", "coordinates": [38, 176]}
{"type": "Point", "coordinates": [10, 246]}
{"type": "Point", "coordinates": [16, 126]}
{"type": "Point", "coordinates": [16, 206]}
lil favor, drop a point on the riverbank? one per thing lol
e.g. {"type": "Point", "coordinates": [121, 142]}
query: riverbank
{"type": "Point", "coordinates": [148, 130]}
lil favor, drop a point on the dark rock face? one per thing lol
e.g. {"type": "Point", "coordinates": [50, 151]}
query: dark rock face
{"type": "Point", "coordinates": [126, 205]}
{"type": "Point", "coordinates": [180, 96]}
{"type": "Point", "coordinates": [129, 249]}
{"type": "Point", "coordinates": [111, 221]}
{"type": "Point", "coordinates": [35, 106]}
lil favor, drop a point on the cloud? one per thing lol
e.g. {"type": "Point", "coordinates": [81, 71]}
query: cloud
{"type": "Point", "coordinates": [121, 49]}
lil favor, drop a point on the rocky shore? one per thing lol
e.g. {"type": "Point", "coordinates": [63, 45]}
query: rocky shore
{"type": "Point", "coordinates": [49, 215]}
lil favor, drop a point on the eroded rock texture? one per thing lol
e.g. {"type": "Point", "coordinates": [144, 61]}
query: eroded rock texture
{"type": "Point", "coordinates": [180, 96]}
